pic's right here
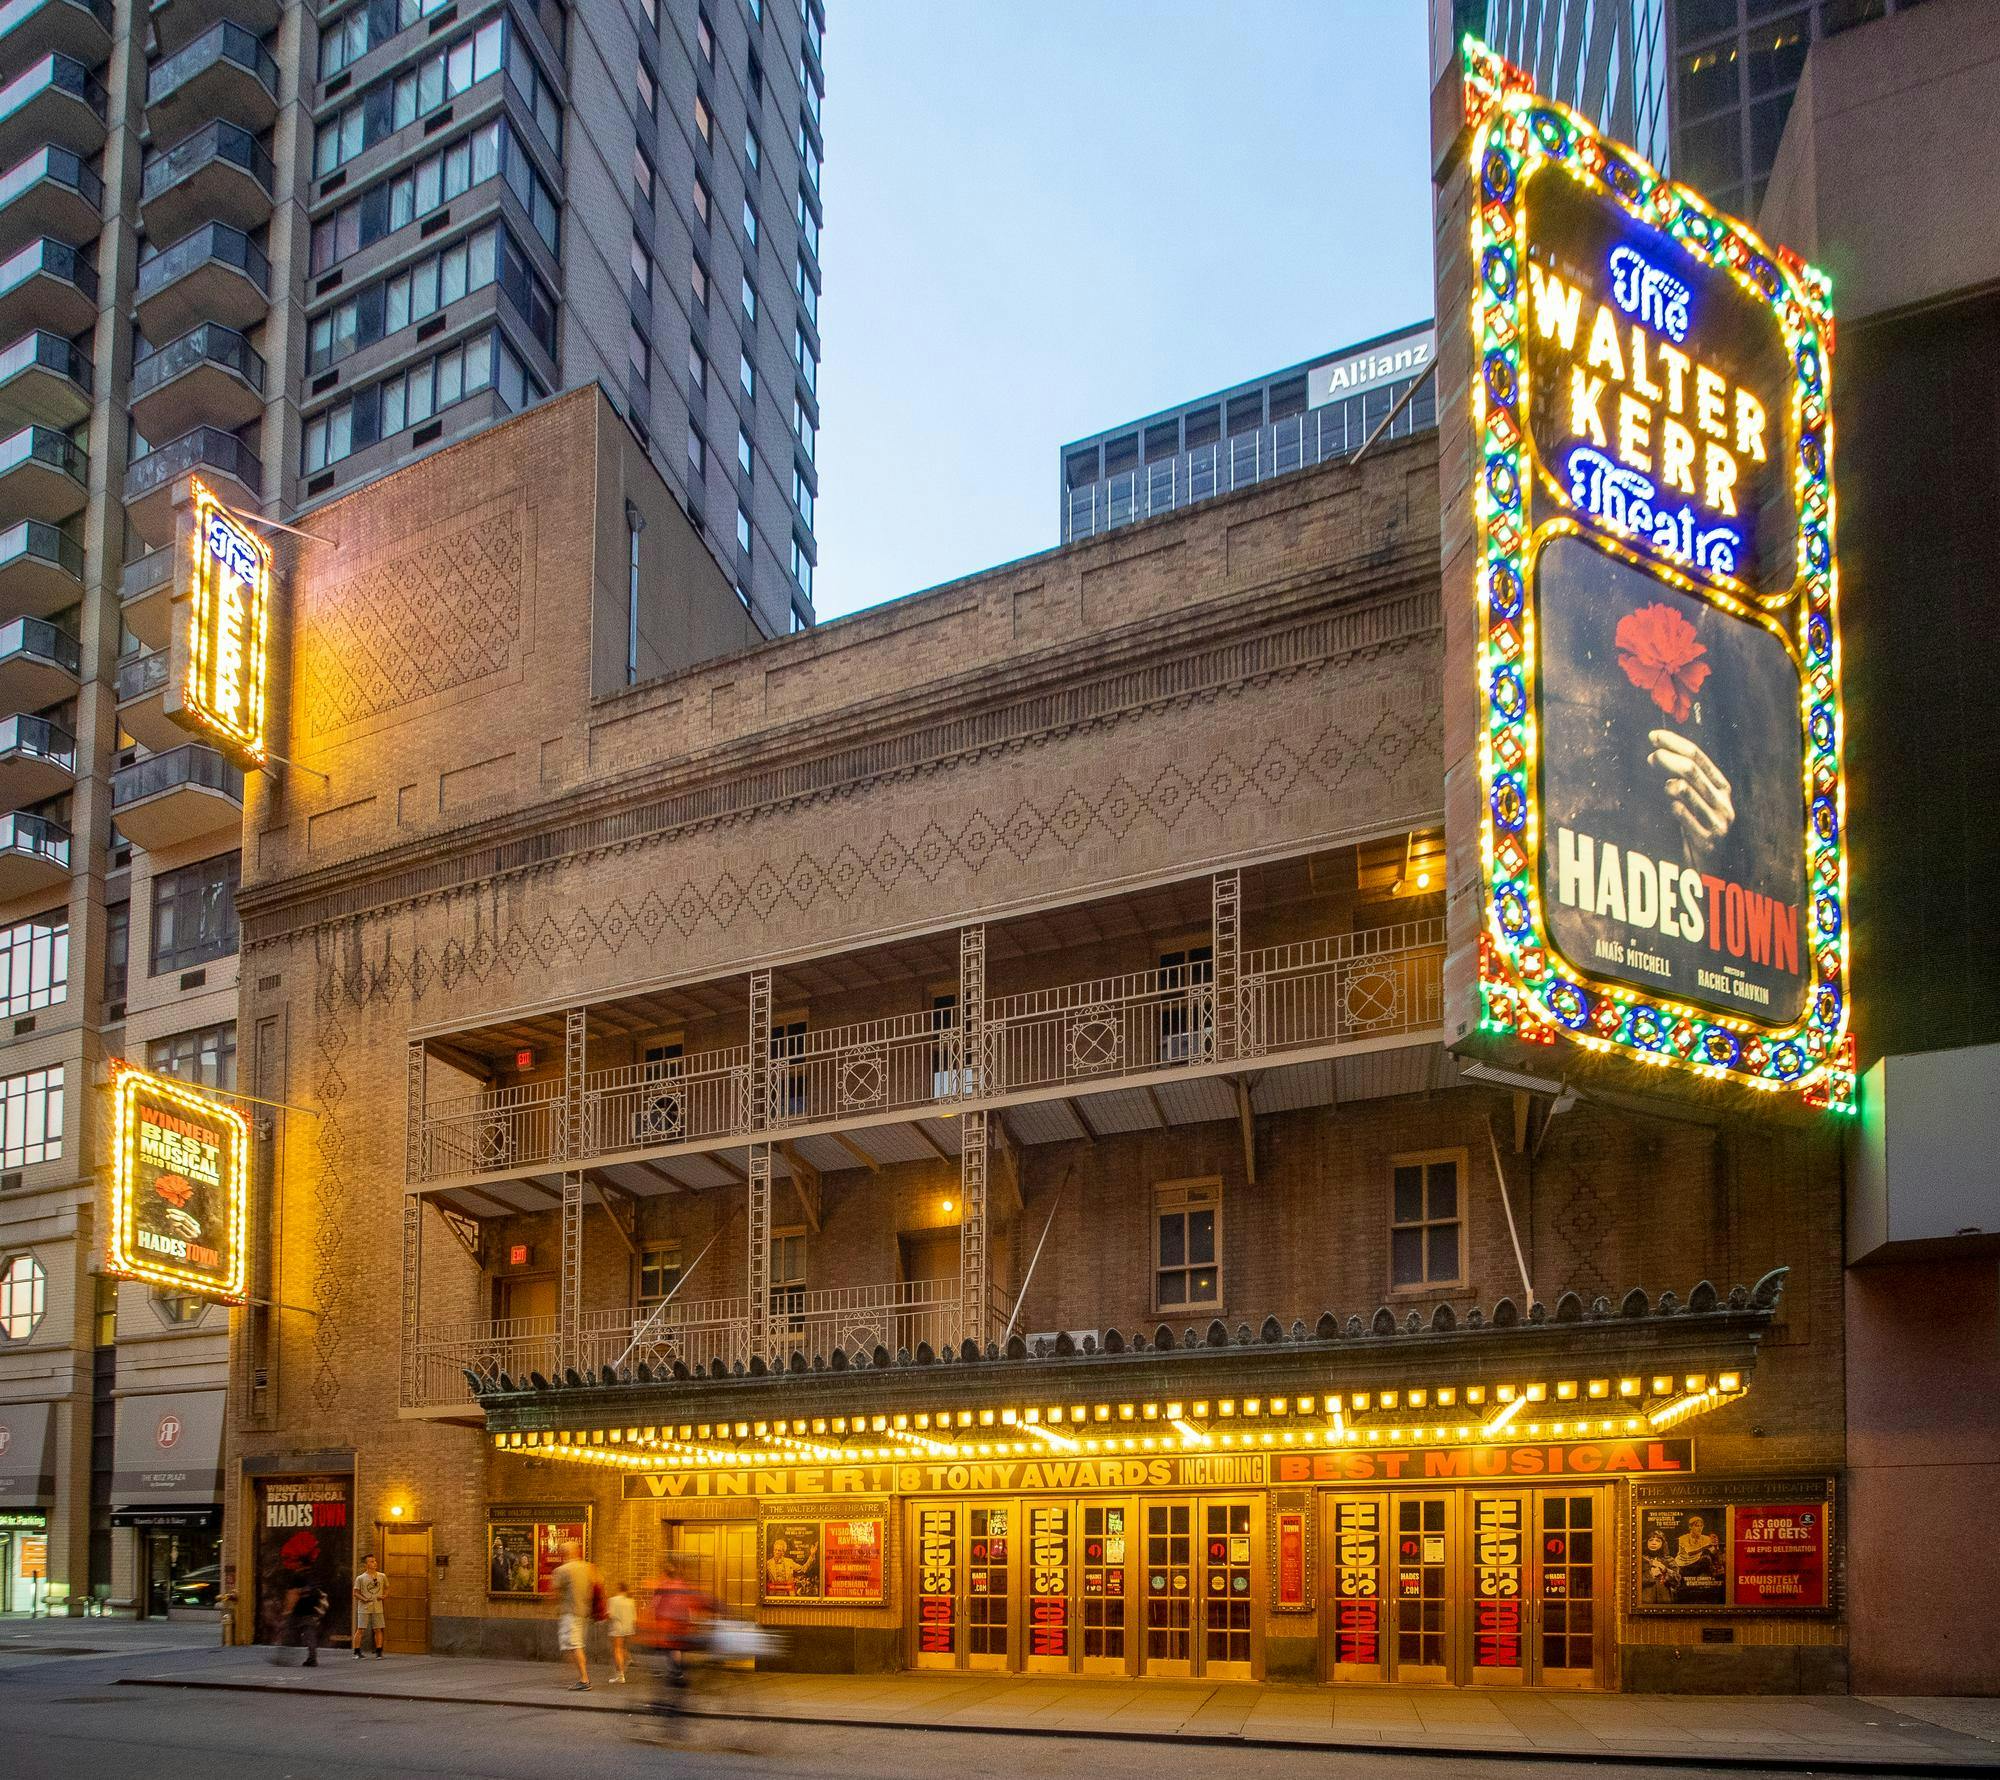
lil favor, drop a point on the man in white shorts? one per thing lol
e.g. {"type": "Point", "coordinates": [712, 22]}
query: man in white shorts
{"type": "Point", "coordinates": [574, 1582]}
{"type": "Point", "coordinates": [370, 1586]}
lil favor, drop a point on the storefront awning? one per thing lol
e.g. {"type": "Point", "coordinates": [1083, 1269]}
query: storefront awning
{"type": "Point", "coordinates": [1639, 1367]}
{"type": "Point", "coordinates": [178, 1517]}
{"type": "Point", "coordinates": [26, 1476]}
{"type": "Point", "coordinates": [169, 1449]}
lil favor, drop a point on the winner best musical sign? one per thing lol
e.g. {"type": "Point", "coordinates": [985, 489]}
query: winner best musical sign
{"type": "Point", "coordinates": [180, 1170]}
{"type": "Point", "coordinates": [1663, 864]}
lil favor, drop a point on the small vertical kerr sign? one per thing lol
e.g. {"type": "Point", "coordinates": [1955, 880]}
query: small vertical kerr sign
{"type": "Point", "coordinates": [216, 672]}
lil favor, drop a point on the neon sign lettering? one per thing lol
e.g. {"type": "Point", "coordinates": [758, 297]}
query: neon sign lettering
{"type": "Point", "coordinates": [1630, 503]}
{"type": "Point", "coordinates": [216, 686]}
{"type": "Point", "coordinates": [1649, 295]}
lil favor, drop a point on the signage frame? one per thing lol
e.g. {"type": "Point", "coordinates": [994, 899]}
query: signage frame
{"type": "Point", "coordinates": [1527, 989]}
{"type": "Point", "coordinates": [128, 1084]}
{"type": "Point", "coordinates": [220, 664]}
{"type": "Point", "coordinates": [1728, 1498]}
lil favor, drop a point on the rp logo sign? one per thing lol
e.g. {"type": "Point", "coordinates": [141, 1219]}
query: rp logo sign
{"type": "Point", "coordinates": [168, 1433]}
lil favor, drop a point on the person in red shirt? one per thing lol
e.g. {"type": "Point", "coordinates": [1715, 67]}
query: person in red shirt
{"type": "Point", "coordinates": [672, 1624]}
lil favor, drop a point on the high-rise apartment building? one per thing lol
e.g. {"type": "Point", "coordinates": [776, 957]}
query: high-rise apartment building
{"type": "Point", "coordinates": [287, 249]}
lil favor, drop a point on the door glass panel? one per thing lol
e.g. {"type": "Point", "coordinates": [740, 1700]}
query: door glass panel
{"type": "Point", "coordinates": [1226, 1582]}
{"type": "Point", "coordinates": [1104, 1582]}
{"type": "Point", "coordinates": [1420, 1583]}
{"type": "Point", "coordinates": [986, 1592]}
{"type": "Point", "coordinates": [937, 1581]}
{"type": "Point", "coordinates": [1169, 1581]}
{"type": "Point", "coordinates": [1497, 1559]}
{"type": "Point", "coordinates": [1048, 1580]}
{"type": "Point", "coordinates": [1569, 1557]}
{"type": "Point", "coordinates": [1357, 1580]}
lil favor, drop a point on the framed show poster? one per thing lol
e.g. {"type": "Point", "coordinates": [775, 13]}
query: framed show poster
{"type": "Point", "coordinates": [304, 1540]}
{"type": "Point", "coordinates": [1756, 1547]}
{"type": "Point", "coordinates": [853, 1559]}
{"type": "Point", "coordinates": [823, 1559]}
{"type": "Point", "coordinates": [525, 1543]}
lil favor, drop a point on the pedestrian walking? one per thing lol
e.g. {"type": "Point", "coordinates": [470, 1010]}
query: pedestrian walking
{"type": "Point", "coordinates": [370, 1589]}
{"type": "Point", "coordinates": [305, 1621]}
{"type": "Point", "coordinates": [675, 1613]}
{"type": "Point", "coordinates": [623, 1613]}
{"type": "Point", "coordinates": [576, 1587]}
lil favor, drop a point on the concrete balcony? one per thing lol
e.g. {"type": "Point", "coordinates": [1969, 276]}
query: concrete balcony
{"type": "Point", "coordinates": [54, 100]}
{"type": "Point", "coordinates": [79, 29]}
{"type": "Point", "coordinates": [50, 192]}
{"type": "Point", "coordinates": [146, 593]}
{"type": "Point", "coordinates": [37, 759]}
{"type": "Point", "coordinates": [44, 381]}
{"type": "Point", "coordinates": [1146, 1051]}
{"type": "Point", "coordinates": [47, 284]}
{"type": "Point", "coordinates": [189, 793]}
{"type": "Point", "coordinates": [209, 374]}
{"type": "Point", "coordinates": [44, 475]}
{"type": "Point", "coordinates": [178, 22]}
{"type": "Point", "coordinates": [223, 73]}
{"type": "Point", "coordinates": [698, 1336]}
{"type": "Point", "coordinates": [219, 172]}
{"type": "Point", "coordinates": [142, 714]}
{"type": "Point", "coordinates": [221, 459]}
{"type": "Point", "coordinates": [41, 570]}
{"type": "Point", "coordinates": [34, 855]}
{"type": "Point", "coordinates": [39, 664]}
{"type": "Point", "coordinates": [215, 274]}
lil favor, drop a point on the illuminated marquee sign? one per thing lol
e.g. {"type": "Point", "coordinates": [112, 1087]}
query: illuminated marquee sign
{"type": "Point", "coordinates": [216, 684]}
{"type": "Point", "coordinates": [1661, 825]}
{"type": "Point", "coordinates": [180, 1173]}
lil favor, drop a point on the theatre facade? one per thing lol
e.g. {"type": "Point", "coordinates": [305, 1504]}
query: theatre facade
{"type": "Point", "coordinates": [950, 1124]}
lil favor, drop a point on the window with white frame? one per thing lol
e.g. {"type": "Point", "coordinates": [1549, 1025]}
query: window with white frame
{"type": "Point", "coordinates": [34, 963]}
{"type": "Point", "coordinates": [659, 1273]}
{"type": "Point", "coordinates": [788, 1284]}
{"type": "Point", "coordinates": [24, 1296]}
{"type": "Point", "coordinates": [1187, 1245]}
{"type": "Point", "coordinates": [31, 1118]}
{"type": "Point", "coordinates": [1427, 1220]}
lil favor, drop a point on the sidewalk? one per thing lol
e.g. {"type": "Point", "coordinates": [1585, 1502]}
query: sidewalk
{"type": "Point", "coordinates": [1825, 1733]}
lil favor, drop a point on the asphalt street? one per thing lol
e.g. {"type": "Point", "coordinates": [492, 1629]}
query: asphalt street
{"type": "Point", "coordinates": [66, 1717]}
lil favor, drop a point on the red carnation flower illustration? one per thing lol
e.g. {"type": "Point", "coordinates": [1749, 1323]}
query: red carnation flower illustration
{"type": "Point", "coordinates": [1658, 650]}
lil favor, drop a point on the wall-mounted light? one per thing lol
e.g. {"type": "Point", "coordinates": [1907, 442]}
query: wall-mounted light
{"type": "Point", "coordinates": [950, 1206]}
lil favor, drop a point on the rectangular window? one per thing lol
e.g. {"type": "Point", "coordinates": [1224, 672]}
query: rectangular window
{"type": "Point", "coordinates": [802, 281]}
{"type": "Point", "coordinates": [746, 376]}
{"type": "Point", "coordinates": [117, 949]}
{"type": "Point", "coordinates": [642, 174]}
{"type": "Point", "coordinates": [638, 353]}
{"type": "Point", "coordinates": [750, 222]}
{"type": "Point", "coordinates": [697, 451]}
{"type": "Point", "coordinates": [746, 456]}
{"type": "Point", "coordinates": [1427, 1220]}
{"type": "Point", "coordinates": [194, 912]}
{"type": "Point", "coordinates": [749, 300]}
{"type": "Point", "coordinates": [704, 205]}
{"type": "Point", "coordinates": [1187, 1245]}
{"type": "Point", "coordinates": [808, 154]}
{"type": "Point", "coordinates": [802, 496]}
{"type": "Point", "coordinates": [697, 369]}
{"type": "Point", "coordinates": [34, 963]}
{"type": "Point", "coordinates": [698, 285]}
{"type": "Point", "coordinates": [808, 360]}
{"type": "Point", "coordinates": [803, 426]}
{"type": "Point", "coordinates": [808, 223]}
{"type": "Point", "coordinates": [788, 1284]}
{"type": "Point", "coordinates": [810, 88]}
{"type": "Point", "coordinates": [659, 1273]}
{"type": "Point", "coordinates": [753, 150]}
{"type": "Point", "coordinates": [743, 531]}
{"type": "Point", "coordinates": [704, 121]}
{"type": "Point", "coordinates": [755, 8]}
{"type": "Point", "coordinates": [31, 1118]}
{"type": "Point", "coordinates": [642, 265]}
{"type": "Point", "coordinates": [802, 568]}
{"type": "Point", "coordinates": [651, 8]}
{"type": "Point", "coordinates": [206, 1057]}
{"type": "Point", "coordinates": [648, 91]}
{"type": "Point", "coordinates": [704, 37]}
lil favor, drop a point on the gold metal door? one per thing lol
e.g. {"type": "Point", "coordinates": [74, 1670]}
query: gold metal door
{"type": "Point", "coordinates": [937, 1564]}
{"type": "Point", "coordinates": [406, 1602]}
{"type": "Point", "coordinates": [1229, 1631]}
{"type": "Point", "coordinates": [992, 1559]}
{"type": "Point", "coordinates": [1356, 1571]}
{"type": "Point", "coordinates": [1050, 1638]}
{"type": "Point", "coordinates": [1168, 1579]}
{"type": "Point", "coordinates": [1572, 1571]}
{"type": "Point", "coordinates": [1108, 1561]}
{"type": "Point", "coordinates": [1497, 1537]}
{"type": "Point", "coordinates": [1422, 1616]}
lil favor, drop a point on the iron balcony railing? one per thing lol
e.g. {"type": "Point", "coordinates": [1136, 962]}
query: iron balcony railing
{"type": "Point", "coordinates": [139, 676]}
{"type": "Point", "coordinates": [37, 539]}
{"type": "Point", "coordinates": [221, 42]}
{"type": "Point", "coordinates": [1349, 989]}
{"type": "Point", "coordinates": [53, 73]}
{"type": "Point", "coordinates": [191, 763]}
{"type": "Point", "coordinates": [206, 447]}
{"type": "Point", "coordinates": [209, 344]}
{"type": "Point", "coordinates": [212, 241]}
{"type": "Point", "coordinates": [39, 638]}
{"type": "Point", "coordinates": [219, 140]}
{"type": "Point", "coordinates": [58, 166]}
{"type": "Point", "coordinates": [37, 836]}
{"type": "Point", "coordinates": [49, 352]}
{"type": "Point", "coordinates": [57, 259]}
{"type": "Point", "coordinates": [44, 445]}
{"type": "Point", "coordinates": [40, 737]}
{"type": "Point", "coordinates": [700, 1334]}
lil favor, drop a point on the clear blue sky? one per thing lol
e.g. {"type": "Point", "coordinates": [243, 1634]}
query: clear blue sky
{"type": "Point", "coordinates": [1044, 217]}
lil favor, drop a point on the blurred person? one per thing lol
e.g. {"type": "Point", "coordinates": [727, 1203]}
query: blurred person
{"type": "Point", "coordinates": [623, 1613]}
{"type": "Point", "coordinates": [370, 1587]}
{"type": "Point", "coordinates": [305, 1621]}
{"type": "Point", "coordinates": [575, 1586]}
{"type": "Point", "coordinates": [675, 1612]}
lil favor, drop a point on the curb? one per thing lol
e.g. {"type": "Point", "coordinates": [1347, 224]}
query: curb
{"type": "Point", "coordinates": [1706, 1760]}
